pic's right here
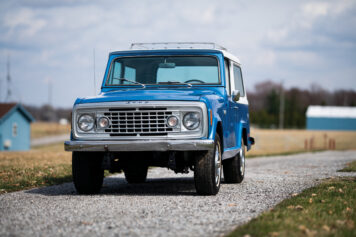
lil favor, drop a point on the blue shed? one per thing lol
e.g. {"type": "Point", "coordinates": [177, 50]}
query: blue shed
{"type": "Point", "coordinates": [331, 118]}
{"type": "Point", "coordinates": [15, 128]}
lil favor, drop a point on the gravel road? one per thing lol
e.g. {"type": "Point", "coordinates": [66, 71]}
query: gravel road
{"type": "Point", "coordinates": [49, 140]}
{"type": "Point", "coordinates": [167, 204]}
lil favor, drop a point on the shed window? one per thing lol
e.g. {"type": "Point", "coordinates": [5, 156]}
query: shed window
{"type": "Point", "coordinates": [14, 130]}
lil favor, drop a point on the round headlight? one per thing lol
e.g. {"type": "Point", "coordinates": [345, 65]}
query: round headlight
{"type": "Point", "coordinates": [86, 122]}
{"type": "Point", "coordinates": [172, 121]}
{"type": "Point", "coordinates": [191, 120]}
{"type": "Point", "coordinates": [103, 122]}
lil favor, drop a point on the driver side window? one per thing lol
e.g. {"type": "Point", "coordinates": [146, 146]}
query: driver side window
{"type": "Point", "coordinates": [121, 71]}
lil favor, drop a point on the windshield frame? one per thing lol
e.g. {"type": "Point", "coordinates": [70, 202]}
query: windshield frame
{"type": "Point", "coordinates": [163, 85]}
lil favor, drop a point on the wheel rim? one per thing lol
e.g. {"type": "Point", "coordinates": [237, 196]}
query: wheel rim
{"type": "Point", "coordinates": [242, 159]}
{"type": "Point", "coordinates": [217, 165]}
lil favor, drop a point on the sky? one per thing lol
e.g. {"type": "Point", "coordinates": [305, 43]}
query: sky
{"type": "Point", "coordinates": [51, 44]}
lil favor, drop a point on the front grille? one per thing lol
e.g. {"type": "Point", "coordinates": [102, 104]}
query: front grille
{"type": "Point", "coordinates": [138, 122]}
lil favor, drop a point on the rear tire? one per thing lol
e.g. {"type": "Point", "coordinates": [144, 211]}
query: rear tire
{"type": "Point", "coordinates": [87, 172]}
{"type": "Point", "coordinates": [208, 169]}
{"type": "Point", "coordinates": [234, 168]}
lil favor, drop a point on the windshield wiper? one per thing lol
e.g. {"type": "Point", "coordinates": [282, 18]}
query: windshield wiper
{"type": "Point", "coordinates": [175, 82]}
{"type": "Point", "coordinates": [135, 82]}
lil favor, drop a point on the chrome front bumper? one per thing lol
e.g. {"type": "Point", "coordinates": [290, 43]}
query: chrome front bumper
{"type": "Point", "coordinates": [140, 145]}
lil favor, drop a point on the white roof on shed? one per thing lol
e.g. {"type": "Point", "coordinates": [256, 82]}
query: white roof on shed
{"type": "Point", "coordinates": [331, 111]}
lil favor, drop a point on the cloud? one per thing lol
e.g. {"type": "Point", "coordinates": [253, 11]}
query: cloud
{"type": "Point", "coordinates": [318, 25]}
{"type": "Point", "coordinates": [56, 39]}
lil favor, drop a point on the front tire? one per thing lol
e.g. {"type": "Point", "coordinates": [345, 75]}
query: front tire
{"type": "Point", "coordinates": [234, 168]}
{"type": "Point", "coordinates": [208, 169]}
{"type": "Point", "coordinates": [87, 172]}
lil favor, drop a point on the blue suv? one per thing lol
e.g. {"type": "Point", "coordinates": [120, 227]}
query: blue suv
{"type": "Point", "coordinates": [177, 105]}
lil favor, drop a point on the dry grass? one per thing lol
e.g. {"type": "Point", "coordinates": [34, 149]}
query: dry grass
{"type": "Point", "coordinates": [39, 167]}
{"type": "Point", "coordinates": [42, 129]}
{"type": "Point", "coordinates": [269, 142]}
{"type": "Point", "coordinates": [325, 210]}
{"type": "Point", "coordinates": [350, 167]}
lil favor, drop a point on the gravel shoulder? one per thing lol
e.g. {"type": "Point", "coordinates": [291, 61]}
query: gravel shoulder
{"type": "Point", "coordinates": [49, 140]}
{"type": "Point", "coordinates": [167, 204]}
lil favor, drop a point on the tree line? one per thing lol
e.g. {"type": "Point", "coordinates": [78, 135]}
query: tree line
{"type": "Point", "coordinates": [265, 103]}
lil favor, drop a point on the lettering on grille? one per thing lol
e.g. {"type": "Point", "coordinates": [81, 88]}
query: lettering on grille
{"type": "Point", "coordinates": [138, 122]}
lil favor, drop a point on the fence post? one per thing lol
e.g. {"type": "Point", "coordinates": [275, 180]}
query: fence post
{"type": "Point", "coordinates": [306, 144]}
{"type": "Point", "coordinates": [311, 145]}
{"type": "Point", "coordinates": [334, 144]}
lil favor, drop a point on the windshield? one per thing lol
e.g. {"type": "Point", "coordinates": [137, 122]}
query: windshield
{"type": "Point", "coordinates": [185, 70]}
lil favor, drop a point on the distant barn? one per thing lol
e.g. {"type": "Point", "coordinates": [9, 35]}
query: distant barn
{"type": "Point", "coordinates": [15, 128]}
{"type": "Point", "coordinates": [331, 118]}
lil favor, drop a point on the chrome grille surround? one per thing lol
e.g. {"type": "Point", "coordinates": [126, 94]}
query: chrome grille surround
{"type": "Point", "coordinates": [142, 121]}
{"type": "Point", "coordinates": [132, 120]}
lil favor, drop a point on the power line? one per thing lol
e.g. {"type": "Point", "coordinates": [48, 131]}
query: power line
{"type": "Point", "coordinates": [49, 92]}
{"type": "Point", "coordinates": [8, 79]}
{"type": "Point", "coordinates": [0, 89]}
{"type": "Point", "coordinates": [94, 71]}
{"type": "Point", "coordinates": [281, 107]}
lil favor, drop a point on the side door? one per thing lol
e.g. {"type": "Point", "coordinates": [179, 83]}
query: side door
{"type": "Point", "coordinates": [240, 105]}
{"type": "Point", "coordinates": [230, 108]}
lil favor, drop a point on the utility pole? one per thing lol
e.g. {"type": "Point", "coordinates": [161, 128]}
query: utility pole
{"type": "Point", "coordinates": [8, 79]}
{"type": "Point", "coordinates": [281, 107]}
{"type": "Point", "coordinates": [0, 90]}
{"type": "Point", "coordinates": [94, 71]}
{"type": "Point", "coordinates": [49, 92]}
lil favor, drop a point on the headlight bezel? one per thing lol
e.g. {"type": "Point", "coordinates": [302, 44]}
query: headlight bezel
{"type": "Point", "coordinates": [192, 114]}
{"type": "Point", "coordinates": [92, 127]}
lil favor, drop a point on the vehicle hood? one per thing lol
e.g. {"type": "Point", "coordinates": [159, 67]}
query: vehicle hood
{"type": "Point", "coordinates": [184, 94]}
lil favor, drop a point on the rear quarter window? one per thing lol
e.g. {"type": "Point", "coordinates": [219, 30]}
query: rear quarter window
{"type": "Point", "coordinates": [238, 80]}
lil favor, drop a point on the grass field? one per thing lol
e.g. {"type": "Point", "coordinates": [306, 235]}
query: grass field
{"type": "Point", "coordinates": [274, 141]}
{"type": "Point", "coordinates": [350, 167]}
{"type": "Point", "coordinates": [328, 209]}
{"type": "Point", "coordinates": [325, 210]}
{"type": "Point", "coordinates": [42, 166]}
{"type": "Point", "coordinates": [41, 129]}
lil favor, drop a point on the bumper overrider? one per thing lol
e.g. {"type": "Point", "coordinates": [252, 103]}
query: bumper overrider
{"type": "Point", "coordinates": [141, 145]}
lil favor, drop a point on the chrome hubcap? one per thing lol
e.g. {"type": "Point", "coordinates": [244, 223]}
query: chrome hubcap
{"type": "Point", "coordinates": [217, 165]}
{"type": "Point", "coordinates": [242, 159]}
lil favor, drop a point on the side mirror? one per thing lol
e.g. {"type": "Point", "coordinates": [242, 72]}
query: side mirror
{"type": "Point", "coordinates": [235, 95]}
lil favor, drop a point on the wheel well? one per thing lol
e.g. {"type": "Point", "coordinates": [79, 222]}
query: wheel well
{"type": "Point", "coordinates": [244, 135]}
{"type": "Point", "coordinates": [219, 130]}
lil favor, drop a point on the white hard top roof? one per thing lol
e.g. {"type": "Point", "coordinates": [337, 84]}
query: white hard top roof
{"type": "Point", "coordinates": [184, 45]}
{"type": "Point", "coordinates": [331, 111]}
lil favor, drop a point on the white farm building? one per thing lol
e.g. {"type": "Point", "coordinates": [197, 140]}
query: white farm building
{"type": "Point", "coordinates": [331, 118]}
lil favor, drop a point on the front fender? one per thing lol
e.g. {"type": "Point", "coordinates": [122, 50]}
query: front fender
{"type": "Point", "coordinates": [215, 107]}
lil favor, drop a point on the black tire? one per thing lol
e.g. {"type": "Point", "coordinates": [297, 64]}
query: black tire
{"type": "Point", "coordinates": [136, 173]}
{"type": "Point", "coordinates": [87, 172]}
{"type": "Point", "coordinates": [234, 168]}
{"type": "Point", "coordinates": [207, 178]}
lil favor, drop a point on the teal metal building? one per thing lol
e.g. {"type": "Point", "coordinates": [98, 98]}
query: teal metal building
{"type": "Point", "coordinates": [331, 118]}
{"type": "Point", "coordinates": [15, 128]}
